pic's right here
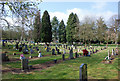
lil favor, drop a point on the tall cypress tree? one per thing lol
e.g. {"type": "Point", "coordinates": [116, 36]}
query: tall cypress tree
{"type": "Point", "coordinates": [62, 32]}
{"type": "Point", "coordinates": [46, 33]}
{"type": "Point", "coordinates": [70, 28]}
{"type": "Point", "coordinates": [55, 26]}
{"type": "Point", "coordinates": [37, 28]}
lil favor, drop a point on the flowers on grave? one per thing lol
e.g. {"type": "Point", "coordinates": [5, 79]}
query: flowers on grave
{"type": "Point", "coordinates": [45, 48]}
{"type": "Point", "coordinates": [22, 56]}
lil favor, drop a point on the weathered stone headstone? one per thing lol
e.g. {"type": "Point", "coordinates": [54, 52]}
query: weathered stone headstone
{"type": "Point", "coordinates": [83, 72]}
{"type": "Point", "coordinates": [4, 57]}
{"type": "Point", "coordinates": [71, 54]}
{"type": "Point", "coordinates": [112, 51]}
{"type": "Point", "coordinates": [53, 52]}
{"type": "Point", "coordinates": [24, 64]}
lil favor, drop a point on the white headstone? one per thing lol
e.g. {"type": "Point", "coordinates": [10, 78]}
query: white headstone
{"type": "Point", "coordinates": [112, 51]}
{"type": "Point", "coordinates": [40, 55]}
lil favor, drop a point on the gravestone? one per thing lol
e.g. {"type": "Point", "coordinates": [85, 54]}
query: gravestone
{"type": "Point", "coordinates": [63, 56]}
{"type": "Point", "coordinates": [75, 47]}
{"type": "Point", "coordinates": [20, 48]}
{"type": "Point", "coordinates": [64, 52]}
{"type": "Point", "coordinates": [56, 48]}
{"type": "Point", "coordinates": [47, 49]}
{"type": "Point", "coordinates": [58, 51]}
{"type": "Point", "coordinates": [3, 43]}
{"type": "Point", "coordinates": [55, 60]}
{"type": "Point", "coordinates": [16, 45]}
{"type": "Point", "coordinates": [30, 56]}
{"type": "Point", "coordinates": [76, 55]}
{"type": "Point", "coordinates": [71, 54]}
{"type": "Point", "coordinates": [26, 47]}
{"type": "Point", "coordinates": [40, 55]}
{"type": "Point", "coordinates": [78, 50]}
{"type": "Point", "coordinates": [53, 52]}
{"type": "Point", "coordinates": [30, 46]}
{"type": "Point", "coordinates": [83, 72]}
{"type": "Point", "coordinates": [66, 46]}
{"type": "Point", "coordinates": [31, 51]}
{"type": "Point", "coordinates": [25, 51]}
{"type": "Point", "coordinates": [24, 64]}
{"type": "Point", "coordinates": [4, 57]}
{"type": "Point", "coordinates": [96, 50]}
{"type": "Point", "coordinates": [69, 48]}
{"type": "Point", "coordinates": [14, 53]}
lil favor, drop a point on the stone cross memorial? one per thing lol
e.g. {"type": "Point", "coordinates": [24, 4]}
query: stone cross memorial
{"type": "Point", "coordinates": [83, 72]}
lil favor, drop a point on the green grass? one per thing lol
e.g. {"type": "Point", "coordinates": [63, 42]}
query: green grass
{"type": "Point", "coordinates": [68, 69]}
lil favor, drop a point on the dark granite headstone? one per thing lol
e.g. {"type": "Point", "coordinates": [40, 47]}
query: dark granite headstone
{"type": "Point", "coordinates": [16, 45]}
{"type": "Point", "coordinates": [58, 51]}
{"type": "Point", "coordinates": [66, 46]}
{"type": "Point", "coordinates": [83, 72]}
{"type": "Point", "coordinates": [71, 54]}
{"type": "Point", "coordinates": [53, 52]}
{"type": "Point", "coordinates": [69, 48]}
{"type": "Point", "coordinates": [4, 57]}
{"type": "Point", "coordinates": [76, 55]}
{"type": "Point", "coordinates": [63, 56]}
{"type": "Point", "coordinates": [14, 53]}
{"type": "Point", "coordinates": [20, 48]}
{"type": "Point", "coordinates": [55, 60]}
{"type": "Point", "coordinates": [47, 49]}
{"type": "Point", "coordinates": [56, 48]}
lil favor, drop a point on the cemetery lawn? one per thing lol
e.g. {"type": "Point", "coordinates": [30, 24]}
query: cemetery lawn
{"type": "Point", "coordinates": [68, 69]}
